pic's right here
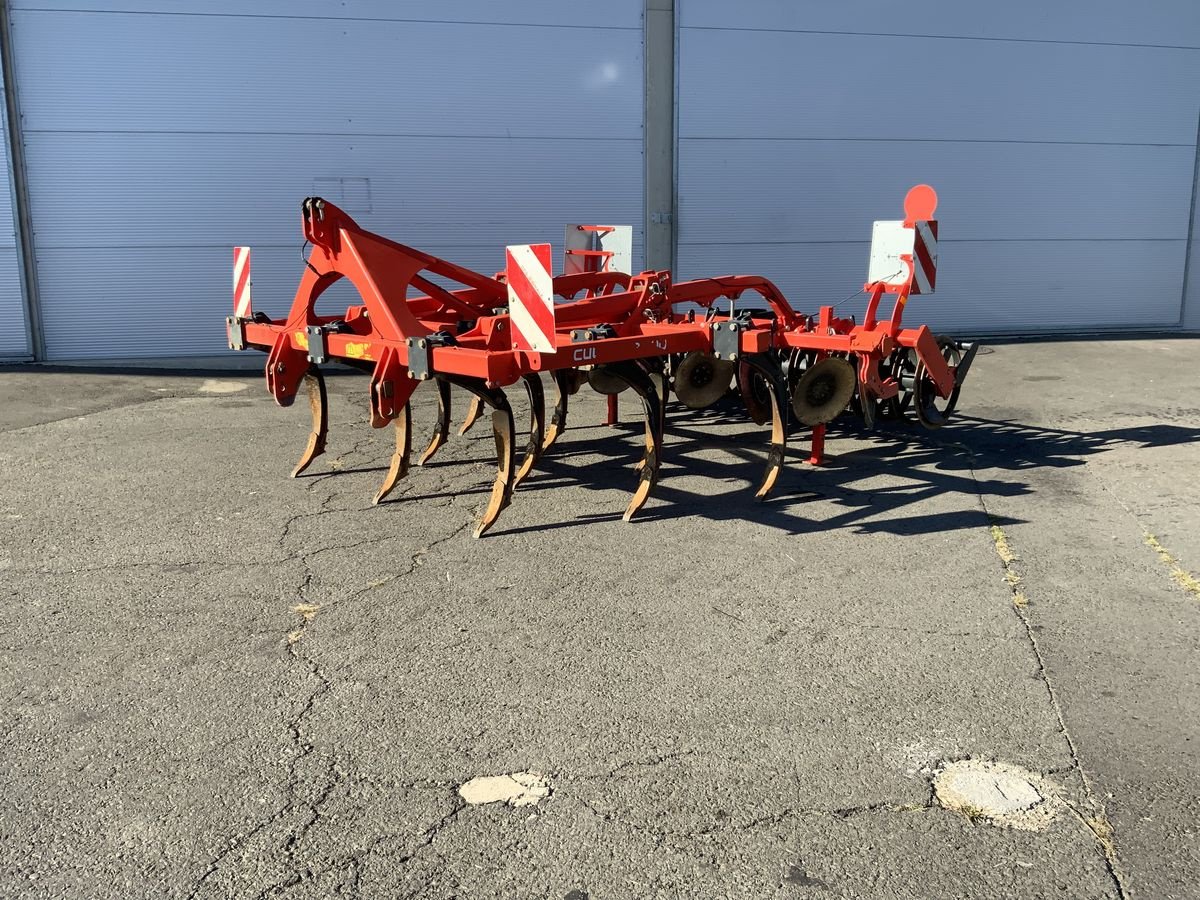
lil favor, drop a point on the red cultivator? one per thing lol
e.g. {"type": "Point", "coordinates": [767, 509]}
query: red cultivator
{"type": "Point", "coordinates": [614, 330]}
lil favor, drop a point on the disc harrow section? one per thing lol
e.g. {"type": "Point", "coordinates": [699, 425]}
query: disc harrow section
{"type": "Point", "coordinates": [423, 319]}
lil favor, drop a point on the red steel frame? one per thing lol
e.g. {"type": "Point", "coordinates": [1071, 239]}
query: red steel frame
{"type": "Point", "coordinates": [409, 328]}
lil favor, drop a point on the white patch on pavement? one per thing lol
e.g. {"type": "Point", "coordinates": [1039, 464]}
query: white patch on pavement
{"type": "Point", "coordinates": [518, 789]}
{"type": "Point", "coordinates": [219, 386]}
{"type": "Point", "coordinates": [1001, 793]}
{"type": "Point", "coordinates": [917, 758]}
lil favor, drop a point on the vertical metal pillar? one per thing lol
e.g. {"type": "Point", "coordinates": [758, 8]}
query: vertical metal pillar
{"type": "Point", "coordinates": [27, 261]}
{"type": "Point", "coordinates": [1189, 310]}
{"type": "Point", "coordinates": [658, 133]}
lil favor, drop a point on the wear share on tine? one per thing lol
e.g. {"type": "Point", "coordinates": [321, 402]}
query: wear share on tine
{"type": "Point", "coordinates": [442, 429]}
{"type": "Point", "coordinates": [564, 381]}
{"type": "Point", "coordinates": [474, 411]}
{"type": "Point", "coordinates": [398, 468]}
{"type": "Point", "coordinates": [318, 404]}
{"type": "Point", "coordinates": [639, 380]}
{"type": "Point", "coordinates": [504, 432]}
{"type": "Point", "coordinates": [537, 425]}
{"type": "Point", "coordinates": [770, 369]}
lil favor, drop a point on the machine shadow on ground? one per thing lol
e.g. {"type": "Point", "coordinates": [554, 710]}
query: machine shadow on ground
{"type": "Point", "coordinates": [874, 480]}
{"type": "Point", "coordinates": [872, 476]}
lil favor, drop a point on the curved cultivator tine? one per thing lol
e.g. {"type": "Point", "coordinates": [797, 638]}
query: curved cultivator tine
{"type": "Point", "coordinates": [474, 411]}
{"type": "Point", "coordinates": [769, 368]}
{"type": "Point", "coordinates": [318, 402]}
{"type": "Point", "coordinates": [399, 467]}
{"type": "Point", "coordinates": [564, 381]}
{"type": "Point", "coordinates": [442, 431]}
{"type": "Point", "coordinates": [662, 386]}
{"type": "Point", "coordinates": [537, 425]}
{"type": "Point", "coordinates": [643, 385]}
{"type": "Point", "coordinates": [504, 431]}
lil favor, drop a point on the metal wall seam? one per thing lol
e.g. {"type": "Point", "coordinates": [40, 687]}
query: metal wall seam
{"type": "Point", "coordinates": [658, 133]}
{"type": "Point", "coordinates": [27, 263]}
{"type": "Point", "coordinates": [675, 69]}
{"type": "Point", "coordinates": [1189, 313]}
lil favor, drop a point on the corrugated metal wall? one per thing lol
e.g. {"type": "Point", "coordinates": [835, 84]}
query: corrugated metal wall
{"type": "Point", "coordinates": [1061, 138]}
{"type": "Point", "coordinates": [14, 336]}
{"type": "Point", "coordinates": [159, 136]}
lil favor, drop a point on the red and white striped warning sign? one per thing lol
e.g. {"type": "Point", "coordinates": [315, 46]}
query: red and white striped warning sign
{"type": "Point", "coordinates": [904, 255]}
{"type": "Point", "coordinates": [241, 282]}
{"type": "Point", "coordinates": [530, 296]}
{"type": "Point", "coordinates": [924, 257]}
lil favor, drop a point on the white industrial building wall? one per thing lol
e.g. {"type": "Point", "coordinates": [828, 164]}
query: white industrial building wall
{"type": "Point", "coordinates": [159, 136]}
{"type": "Point", "coordinates": [14, 334]}
{"type": "Point", "coordinates": [1191, 300]}
{"type": "Point", "coordinates": [1061, 139]}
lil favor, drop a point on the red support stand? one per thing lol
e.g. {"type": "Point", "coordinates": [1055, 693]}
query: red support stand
{"type": "Point", "coordinates": [612, 410]}
{"type": "Point", "coordinates": [818, 446]}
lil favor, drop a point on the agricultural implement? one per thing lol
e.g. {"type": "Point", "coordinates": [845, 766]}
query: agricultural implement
{"type": "Point", "coordinates": [609, 329]}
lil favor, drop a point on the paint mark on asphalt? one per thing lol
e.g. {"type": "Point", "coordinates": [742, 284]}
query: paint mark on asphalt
{"type": "Point", "coordinates": [997, 792]}
{"type": "Point", "coordinates": [1179, 574]}
{"type": "Point", "coordinates": [307, 611]}
{"type": "Point", "coordinates": [517, 789]}
{"type": "Point", "coordinates": [1009, 558]}
{"type": "Point", "coordinates": [221, 386]}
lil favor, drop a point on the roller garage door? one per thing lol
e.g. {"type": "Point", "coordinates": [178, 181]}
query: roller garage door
{"type": "Point", "coordinates": [159, 136]}
{"type": "Point", "coordinates": [1061, 138]}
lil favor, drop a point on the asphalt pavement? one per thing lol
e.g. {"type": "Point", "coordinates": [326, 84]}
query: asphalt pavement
{"type": "Point", "coordinates": [952, 663]}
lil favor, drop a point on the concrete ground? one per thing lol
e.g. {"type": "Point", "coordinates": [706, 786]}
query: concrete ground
{"type": "Point", "coordinates": [219, 682]}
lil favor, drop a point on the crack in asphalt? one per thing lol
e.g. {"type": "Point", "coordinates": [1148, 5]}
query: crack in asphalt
{"type": "Point", "coordinates": [787, 814]}
{"type": "Point", "coordinates": [647, 763]}
{"type": "Point", "coordinates": [294, 780]}
{"type": "Point", "coordinates": [234, 844]}
{"type": "Point", "coordinates": [286, 530]}
{"type": "Point", "coordinates": [312, 810]}
{"type": "Point", "coordinates": [1098, 824]}
{"type": "Point", "coordinates": [354, 864]}
{"type": "Point", "coordinates": [429, 835]}
{"type": "Point", "coordinates": [297, 651]}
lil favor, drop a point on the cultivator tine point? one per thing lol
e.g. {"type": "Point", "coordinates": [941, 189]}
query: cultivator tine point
{"type": "Point", "coordinates": [537, 425]}
{"type": "Point", "coordinates": [318, 403]}
{"type": "Point", "coordinates": [642, 384]}
{"type": "Point", "coordinates": [768, 367]}
{"type": "Point", "coordinates": [474, 411]}
{"type": "Point", "coordinates": [563, 381]}
{"type": "Point", "coordinates": [442, 431]}
{"type": "Point", "coordinates": [647, 471]}
{"type": "Point", "coordinates": [399, 465]}
{"type": "Point", "coordinates": [504, 432]}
